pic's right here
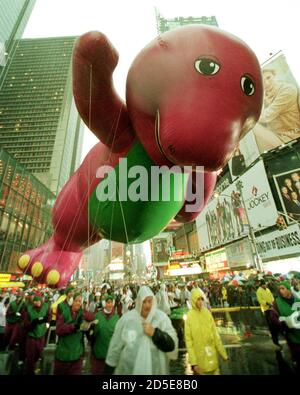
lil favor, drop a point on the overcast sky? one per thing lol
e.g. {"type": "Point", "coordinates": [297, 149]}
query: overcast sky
{"type": "Point", "coordinates": [267, 26]}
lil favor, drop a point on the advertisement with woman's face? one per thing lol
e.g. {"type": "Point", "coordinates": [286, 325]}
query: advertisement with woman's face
{"type": "Point", "coordinates": [279, 122]}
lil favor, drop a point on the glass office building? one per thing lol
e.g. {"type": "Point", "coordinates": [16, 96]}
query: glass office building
{"type": "Point", "coordinates": [14, 15]}
{"type": "Point", "coordinates": [39, 123]}
{"type": "Point", "coordinates": [25, 211]}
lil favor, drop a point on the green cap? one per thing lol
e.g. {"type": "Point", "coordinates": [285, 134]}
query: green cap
{"type": "Point", "coordinates": [37, 296]}
{"type": "Point", "coordinates": [285, 284]}
{"type": "Point", "coordinates": [69, 289]}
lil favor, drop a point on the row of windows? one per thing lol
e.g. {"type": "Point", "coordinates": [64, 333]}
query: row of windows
{"type": "Point", "coordinates": [33, 89]}
{"type": "Point", "coordinates": [39, 124]}
{"type": "Point", "coordinates": [21, 208]}
{"type": "Point", "coordinates": [25, 187]}
{"type": "Point", "coordinates": [13, 111]}
{"type": "Point", "coordinates": [33, 156]}
{"type": "Point", "coordinates": [40, 80]}
{"type": "Point", "coordinates": [25, 106]}
{"type": "Point", "coordinates": [13, 142]}
{"type": "Point", "coordinates": [43, 75]}
{"type": "Point", "coordinates": [46, 76]}
{"type": "Point", "coordinates": [13, 172]}
{"type": "Point", "coordinates": [39, 99]}
{"type": "Point", "coordinates": [47, 125]}
{"type": "Point", "coordinates": [30, 146]}
{"type": "Point", "coordinates": [20, 141]}
{"type": "Point", "coordinates": [32, 163]}
{"type": "Point", "coordinates": [27, 141]}
{"type": "Point", "coordinates": [33, 94]}
{"type": "Point", "coordinates": [28, 77]}
{"type": "Point", "coordinates": [33, 117]}
{"type": "Point", "coordinates": [26, 128]}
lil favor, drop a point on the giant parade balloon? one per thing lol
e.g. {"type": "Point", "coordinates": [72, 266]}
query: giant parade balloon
{"type": "Point", "coordinates": [191, 95]}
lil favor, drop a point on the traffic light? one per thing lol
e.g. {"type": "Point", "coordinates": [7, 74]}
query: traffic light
{"type": "Point", "coordinates": [280, 223]}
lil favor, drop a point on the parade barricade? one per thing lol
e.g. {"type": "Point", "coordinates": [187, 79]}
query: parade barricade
{"type": "Point", "coordinates": [236, 321]}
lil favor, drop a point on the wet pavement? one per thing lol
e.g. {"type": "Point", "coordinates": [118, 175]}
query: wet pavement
{"type": "Point", "coordinates": [254, 355]}
{"type": "Point", "coordinates": [245, 337]}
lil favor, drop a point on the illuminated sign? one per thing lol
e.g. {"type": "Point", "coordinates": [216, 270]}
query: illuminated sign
{"type": "Point", "coordinates": [4, 277]}
{"type": "Point", "coordinates": [114, 267]}
{"type": "Point", "coordinates": [184, 271]}
{"type": "Point", "coordinates": [116, 276]}
{"type": "Point", "coordinates": [216, 260]}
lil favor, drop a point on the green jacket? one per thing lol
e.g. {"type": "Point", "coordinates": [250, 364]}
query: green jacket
{"type": "Point", "coordinates": [70, 347]}
{"type": "Point", "coordinates": [285, 310]}
{"type": "Point", "coordinates": [39, 330]}
{"type": "Point", "coordinates": [102, 334]}
{"type": "Point", "coordinates": [11, 317]}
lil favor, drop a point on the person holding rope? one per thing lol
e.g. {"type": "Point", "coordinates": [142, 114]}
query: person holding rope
{"type": "Point", "coordinates": [36, 318]}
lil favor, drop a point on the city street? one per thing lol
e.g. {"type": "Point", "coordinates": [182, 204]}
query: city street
{"type": "Point", "coordinates": [254, 355]}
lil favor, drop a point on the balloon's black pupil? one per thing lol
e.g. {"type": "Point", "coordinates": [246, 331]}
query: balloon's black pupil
{"type": "Point", "coordinates": [207, 66]}
{"type": "Point", "coordinates": [248, 86]}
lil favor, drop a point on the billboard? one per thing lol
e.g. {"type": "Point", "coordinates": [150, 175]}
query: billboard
{"type": "Point", "coordinates": [288, 189]}
{"type": "Point", "coordinates": [279, 122]}
{"type": "Point", "coordinates": [216, 260]}
{"type": "Point", "coordinates": [161, 247]}
{"type": "Point", "coordinates": [240, 254]}
{"type": "Point", "coordinates": [258, 198]}
{"type": "Point", "coordinates": [224, 218]}
{"type": "Point", "coordinates": [279, 243]}
{"type": "Point", "coordinates": [245, 154]}
{"type": "Point", "coordinates": [117, 250]}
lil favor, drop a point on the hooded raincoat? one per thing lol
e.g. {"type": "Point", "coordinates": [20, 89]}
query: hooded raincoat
{"type": "Point", "coordinates": [202, 339]}
{"type": "Point", "coordinates": [131, 351]}
{"type": "Point", "coordinates": [163, 300]}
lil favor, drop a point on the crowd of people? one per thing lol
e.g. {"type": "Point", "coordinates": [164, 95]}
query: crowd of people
{"type": "Point", "coordinates": [129, 329]}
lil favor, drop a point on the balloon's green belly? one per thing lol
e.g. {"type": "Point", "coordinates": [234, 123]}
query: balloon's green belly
{"type": "Point", "coordinates": [132, 204]}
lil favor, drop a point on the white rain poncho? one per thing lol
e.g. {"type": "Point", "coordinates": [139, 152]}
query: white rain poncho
{"type": "Point", "coordinates": [163, 300]}
{"type": "Point", "coordinates": [131, 351]}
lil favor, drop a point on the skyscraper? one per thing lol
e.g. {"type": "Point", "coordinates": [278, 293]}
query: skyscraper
{"type": "Point", "coordinates": [14, 15]}
{"type": "Point", "coordinates": [164, 25]}
{"type": "Point", "coordinates": [39, 123]}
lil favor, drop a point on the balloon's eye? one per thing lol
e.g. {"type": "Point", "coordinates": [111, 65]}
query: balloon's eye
{"type": "Point", "coordinates": [247, 85]}
{"type": "Point", "coordinates": [207, 66]}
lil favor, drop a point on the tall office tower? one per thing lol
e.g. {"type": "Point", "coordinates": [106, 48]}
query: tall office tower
{"type": "Point", "coordinates": [163, 24]}
{"type": "Point", "coordinates": [39, 123]}
{"type": "Point", "coordinates": [14, 15]}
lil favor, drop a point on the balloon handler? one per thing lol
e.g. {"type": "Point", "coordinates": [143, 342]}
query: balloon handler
{"type": "Point", "coordinates": [72, 323]}
{"type": "Point", "coordinates": [37, 316]}
{"type": "Point", "coordinates": [191, 95]}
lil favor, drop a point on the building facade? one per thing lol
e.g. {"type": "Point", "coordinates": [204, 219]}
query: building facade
{"type": "Point", "coordinates": [164, 24]}
{"type": "Point", "coordinates": [14, 17]}
{"type": "Point", "coordinates": [25, 211]}
{"type": "Point", "coordinates": [39, 123]}
{"type": "Point", "coordinates": [253, 219]}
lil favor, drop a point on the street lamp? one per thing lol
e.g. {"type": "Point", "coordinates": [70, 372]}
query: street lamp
{"type": "Point", "coordinates": [258, 261]}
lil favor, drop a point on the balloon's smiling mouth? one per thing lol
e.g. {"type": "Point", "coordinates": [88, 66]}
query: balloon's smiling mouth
{"type": "Point", "coordinates": [157, 138]}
